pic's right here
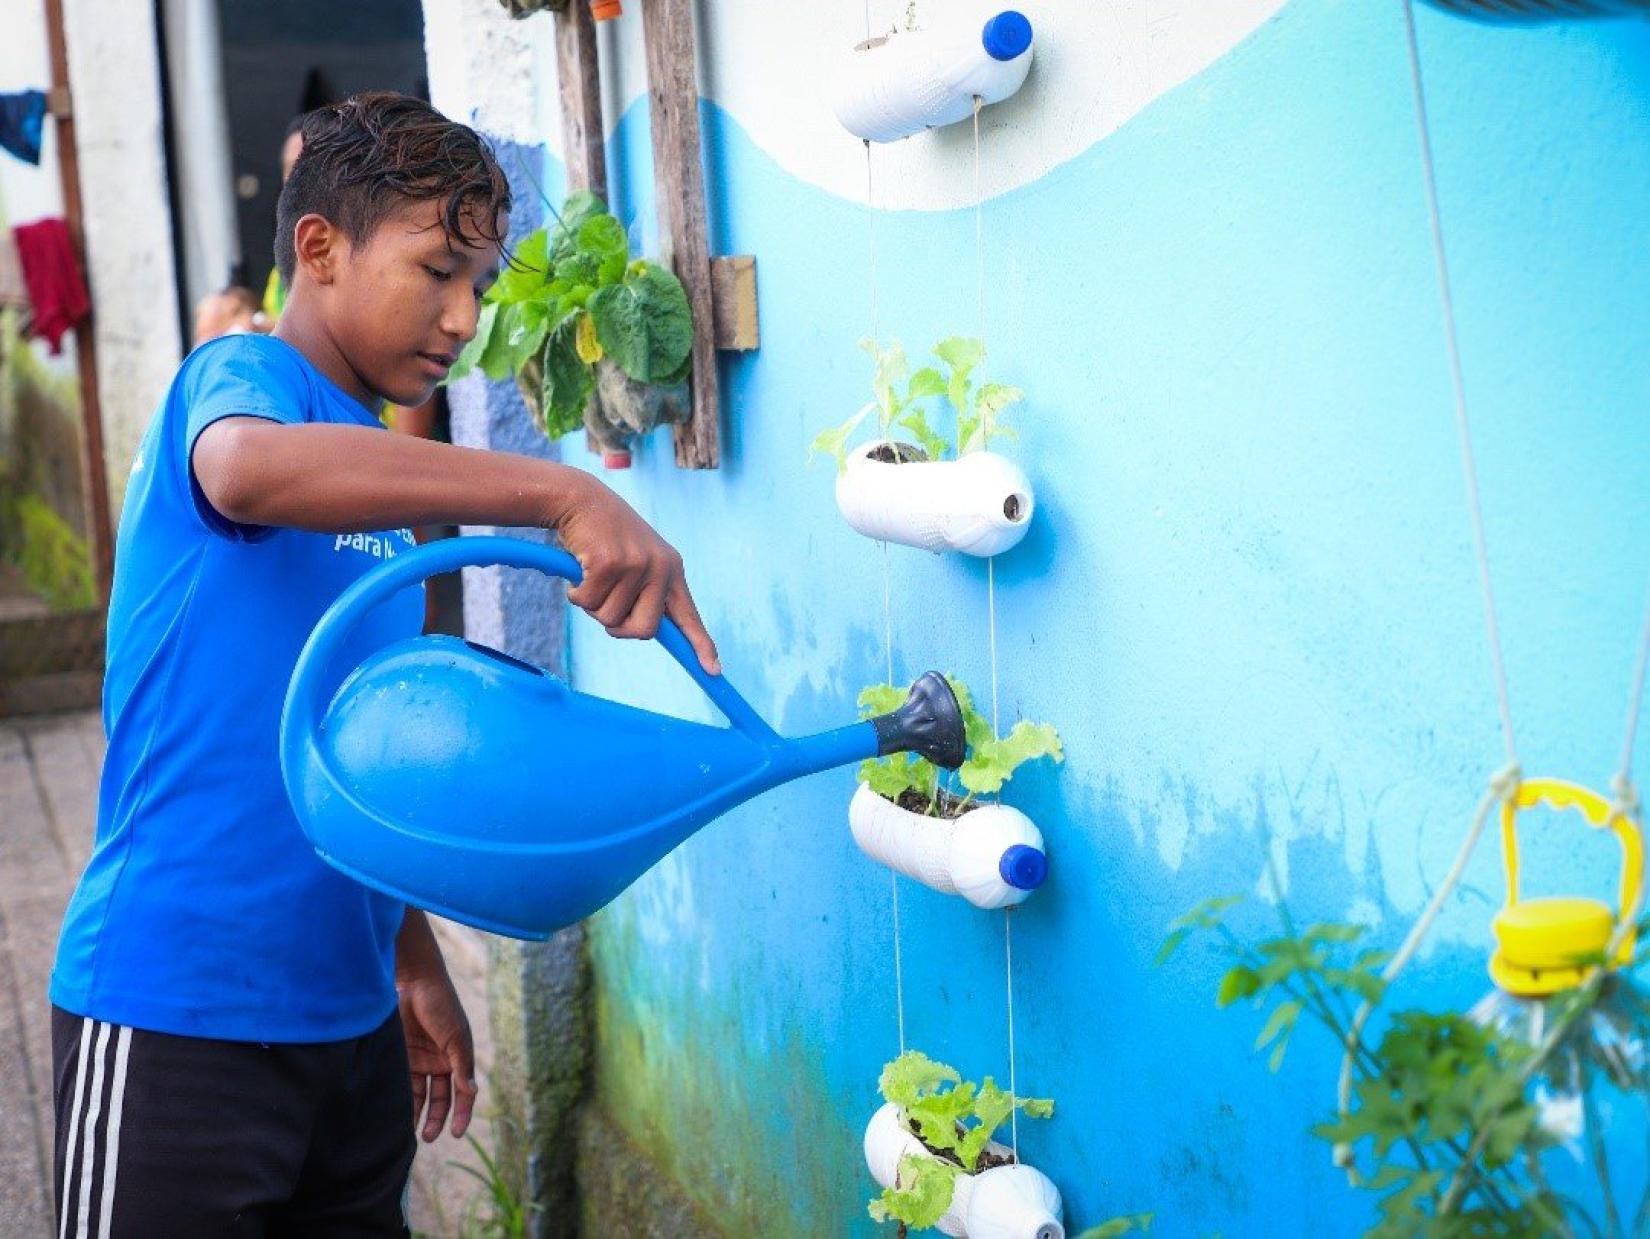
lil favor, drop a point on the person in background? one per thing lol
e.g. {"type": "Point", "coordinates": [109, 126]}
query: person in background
{"type": "Point", "coordinates": [237, 308]}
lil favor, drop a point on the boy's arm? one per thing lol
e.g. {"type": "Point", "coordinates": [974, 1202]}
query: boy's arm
{"type": "Point", "coordinates": [343, 479]}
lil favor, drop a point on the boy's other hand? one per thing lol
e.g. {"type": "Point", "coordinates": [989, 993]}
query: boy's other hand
{"type": "Point", "coordinates": [440, 1053]}
{"type": "Point", "coordinates": [632, 576]}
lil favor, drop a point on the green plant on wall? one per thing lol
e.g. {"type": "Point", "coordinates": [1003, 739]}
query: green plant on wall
{"type": "Point", "coordinates": [570, 297]}
{"type": "Point", "coordinates": [955, 1120]}
{"type": "Point", "coordinates": [1442, 1111]}
{"type": "Point", "coordinates": [903, 401]}
{"type": "Point", "coordinates": [917, 783]}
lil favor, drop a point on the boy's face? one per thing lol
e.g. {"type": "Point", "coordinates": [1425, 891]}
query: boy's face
{"type": "Point", "coordinates": [403, 304]}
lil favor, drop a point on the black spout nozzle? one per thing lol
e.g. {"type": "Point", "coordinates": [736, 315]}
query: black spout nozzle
{"type": "Point", "coordinates": [930, 723]}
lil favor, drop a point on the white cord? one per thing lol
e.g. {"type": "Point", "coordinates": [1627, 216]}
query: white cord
{"type": "Point", "coordinates": [1635, 704]}
{"type": "Point", "coordinates": [991, 632]}
{"type": "Point", "coordinates": [1452, 345]}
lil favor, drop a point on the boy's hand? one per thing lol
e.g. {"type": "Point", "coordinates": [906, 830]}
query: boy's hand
{"type": "Point", "coordinates": [440, 1054]}
{"type": "Point", "coordinates": [632, 576]}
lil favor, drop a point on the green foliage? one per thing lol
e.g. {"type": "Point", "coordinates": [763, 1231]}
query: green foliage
{"type": "Point", "coordinates": [922, 1194]}
{"type": "Point", "coordinates": [56, 561]}
{"type": "Point", "coordinates": [904, 402]}
{"type": "Point", "coordinates": [498, 1212]}
{"type": "Point", "coordinates": [991, 759]}
{"type": "Point", "coordinates": [1441, 1118]}
{"type": "Point", "coordinates": [955, 1118]}
{"type": "Point", "coordinates": [569, 297]}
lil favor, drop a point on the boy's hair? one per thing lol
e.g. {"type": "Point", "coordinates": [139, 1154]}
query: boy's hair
{"type": "Point", "coordinates": [375, 152]}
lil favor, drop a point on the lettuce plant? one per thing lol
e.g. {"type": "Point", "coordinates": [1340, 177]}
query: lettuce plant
{"type": "Point", "coordinates": [569, 297]}
{"type": "Point", "coordinates": [903, 401]}
{"type": "Point", "coordinates": [955, 1119]}
{"type": "Point", "coordinates": [991, 761]}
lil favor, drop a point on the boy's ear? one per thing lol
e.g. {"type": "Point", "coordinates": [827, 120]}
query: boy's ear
{"type": "Point", "coordinates": [318, 248]}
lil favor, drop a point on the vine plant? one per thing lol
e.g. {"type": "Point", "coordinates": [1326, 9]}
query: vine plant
{"type": "Point", "coordinates": [1442, 1115]}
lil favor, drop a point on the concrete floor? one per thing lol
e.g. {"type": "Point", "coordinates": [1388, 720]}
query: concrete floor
{"type": "Point", "coordinates": [48, 807]}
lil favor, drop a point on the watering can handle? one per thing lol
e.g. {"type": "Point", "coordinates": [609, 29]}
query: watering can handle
{"type": "Point", "coordinates": [309, 692]}
{"type": "Point", "coordinates": [1599, 814]}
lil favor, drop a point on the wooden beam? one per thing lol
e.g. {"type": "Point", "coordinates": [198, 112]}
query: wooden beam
{"type": "Point", "coordinates": [679, 187]}
{"type": "Point", "coordinates": [579, 79]}
{"type": "Point", "coordinates": [100, 528]}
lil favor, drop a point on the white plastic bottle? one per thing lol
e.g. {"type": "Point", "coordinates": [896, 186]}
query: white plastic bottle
{"type": "Point", "coordinates": [892, 87]}
{"type": "Point", "coordinates": [980, 504]}
{"type": "Point", "coordinates": [992, 856]}
{"type": "Point", "coordinates": [1006, 1202]}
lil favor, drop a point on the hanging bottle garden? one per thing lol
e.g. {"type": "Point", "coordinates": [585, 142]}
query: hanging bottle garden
{"type": "Point", "coordinates": [910, 484]}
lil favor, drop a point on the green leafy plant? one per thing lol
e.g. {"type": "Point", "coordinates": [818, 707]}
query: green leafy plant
{"type": "Point", "coordinates": [570, 297]}
{"type": "Point", "coordinates": [54, 559]}
{"type": "Point", "coordinates": [991, 761]}
{"type": "Point", "coordinates": [903, 401]}
{"type": "Point", "coordinates": [498, 1212]}
{"type": "Point", "coordinates": [955, 1119]}
{"type": "Point", "coordinates": [1442, 1104]}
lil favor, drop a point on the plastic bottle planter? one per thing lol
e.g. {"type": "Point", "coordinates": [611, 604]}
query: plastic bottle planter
{"type": "Point", "coordinates": [898, 85]}
{"type": "Point", "coordinates": [992, 855]}
{"type": "Point", "coordinates": [622, 409]}
{"type": "Point", "coordinates": [980, 504]}
{"type": "Point", "coordinates": [1010, 1201]}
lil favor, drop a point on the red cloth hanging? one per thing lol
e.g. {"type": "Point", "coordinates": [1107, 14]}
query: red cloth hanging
{"type": "Point", "coordinates": [53, 277]}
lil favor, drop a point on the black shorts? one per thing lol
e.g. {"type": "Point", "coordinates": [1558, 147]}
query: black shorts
{"type": "Point", "coordinates": [160, 1135]}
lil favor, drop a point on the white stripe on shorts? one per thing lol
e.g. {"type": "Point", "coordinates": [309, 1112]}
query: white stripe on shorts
{"type": "Point", "coordinates": [86, 1026]}
{"type": "Point", "coordinates": [111, 1138]}
{"type": "Point", "coordinates": [94, 1111]}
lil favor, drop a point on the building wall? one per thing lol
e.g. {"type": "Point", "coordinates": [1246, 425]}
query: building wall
{"type": "Point", "coordinates": [114, 73]}
{"type": "Point", "coordinates": [1248, 601]}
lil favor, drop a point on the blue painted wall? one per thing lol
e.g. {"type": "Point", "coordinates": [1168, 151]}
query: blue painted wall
{"type": "Point", "coordinates": [1248, 603]}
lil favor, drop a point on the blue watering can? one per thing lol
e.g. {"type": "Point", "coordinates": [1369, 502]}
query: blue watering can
{"type": "Point", "coordinates": [482, 788]}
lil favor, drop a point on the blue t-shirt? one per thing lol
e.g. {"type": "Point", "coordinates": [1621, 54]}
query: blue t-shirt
{"type": "Point", "coordinates": [203, 910]}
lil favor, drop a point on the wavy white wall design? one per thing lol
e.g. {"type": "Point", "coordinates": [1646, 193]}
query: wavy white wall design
{"type": "Point", "coordinates": [767, 63]}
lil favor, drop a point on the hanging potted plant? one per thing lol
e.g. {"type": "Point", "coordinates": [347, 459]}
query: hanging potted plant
{"type": "Point", "coordinates": [592, 337]}
{"type": "Point", "coordinates": [900, 486]}
{"type": "Point", "coordinates": [930, 1149]}
{"type": "Point", "coordinates": [937, 830]}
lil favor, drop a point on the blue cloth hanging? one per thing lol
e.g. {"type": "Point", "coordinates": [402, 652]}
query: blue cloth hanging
{"type": "Point", "coordinates": [22, 115]}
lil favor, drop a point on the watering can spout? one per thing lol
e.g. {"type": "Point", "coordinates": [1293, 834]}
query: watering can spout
{"type": "Point", "coordinates": [480, 787]}
{"type": "Point", "coordinates": [929, 724]}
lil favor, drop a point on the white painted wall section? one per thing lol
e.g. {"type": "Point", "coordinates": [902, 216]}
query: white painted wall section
{"type": "Point", "coordinates": [769, 65]}
{"type": "Point", "coordinates": [115, 77]}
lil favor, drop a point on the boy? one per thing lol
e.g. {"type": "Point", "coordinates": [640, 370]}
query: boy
{"type": "Point", "coordinates": [240, 1033]}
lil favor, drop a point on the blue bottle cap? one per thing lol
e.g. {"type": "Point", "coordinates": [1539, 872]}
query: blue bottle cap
{"type": "Point", "coordinates": [1006, 35]}
{"type": "Point", "coordinates": [1023, 867]}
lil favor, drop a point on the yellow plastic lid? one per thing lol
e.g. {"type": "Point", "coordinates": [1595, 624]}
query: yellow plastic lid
{"type": "Point", "coordinates": [1547, 945]}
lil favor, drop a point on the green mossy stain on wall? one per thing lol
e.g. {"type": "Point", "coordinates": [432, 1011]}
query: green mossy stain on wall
{"type": "Point", "coordinates": [740, 1126]}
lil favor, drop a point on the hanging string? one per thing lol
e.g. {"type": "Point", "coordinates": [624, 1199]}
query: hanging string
{"type": "Point", "coordinates": [1452, 346]}
{"type": "Point", "coordinates": [1504, 783]}
{"type": "Point", "coordinates": [1622, 784]}
{"type": "Point", "coordinates": [991, 631]}
{"type": "Point", "coordinates": [887, 572]}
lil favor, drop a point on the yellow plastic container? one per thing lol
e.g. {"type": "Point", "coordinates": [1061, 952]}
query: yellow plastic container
{"type": "Point", "coordinates": [1550, 944]}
